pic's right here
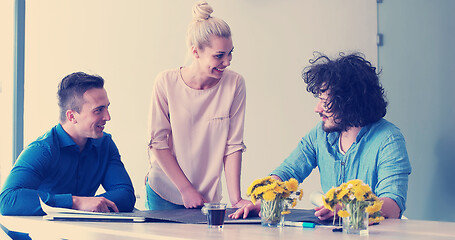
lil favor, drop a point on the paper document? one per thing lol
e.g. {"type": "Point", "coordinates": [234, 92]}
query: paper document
{"type": "Point", "coordinates": [56, 213]}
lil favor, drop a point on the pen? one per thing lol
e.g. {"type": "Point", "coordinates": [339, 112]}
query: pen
{"type": "Point", "coordinates": [299, 224]}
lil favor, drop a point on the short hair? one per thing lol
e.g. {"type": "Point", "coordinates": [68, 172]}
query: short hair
{"type": "Point", "coordinates": [72, 88]}
{"type": "Point", "coordinates": [204, 25]}
{"type": "Point", "coordinates": [356, 98]}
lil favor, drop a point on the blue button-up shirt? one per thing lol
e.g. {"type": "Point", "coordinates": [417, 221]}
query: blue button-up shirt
{"type": "Point", "coordinates": [378, 157]}
{"type": "Point", "coordinates": [53, 168]}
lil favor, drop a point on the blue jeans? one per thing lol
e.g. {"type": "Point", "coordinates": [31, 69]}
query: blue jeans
{"type": "Point", "coordinates": [155, 202]}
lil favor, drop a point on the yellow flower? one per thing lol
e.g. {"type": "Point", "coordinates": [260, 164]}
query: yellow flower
{"type": "Point", "coordinates": [270, 189]}
{"type": "Point", "coordinates": [292, 184]}
{"type": "Point", "coordinates": [326, 204]}
{"type": "Point", "coordinates": [365, 188]}
{"type": "Point", "coordinates": [377, 205]}
{"type": "Point", "coordinates": [262, 189]}
{"type": "Point", "coordinates": [376, 219]}
{"type": "Point", "coordinates": [300, 194]}
{"type": "Point", "coordinates": [358, 193]}
{"type": "Point", "coordinates": [343, 213]}
{"type": "Point", "coordinates": [354, 182]}
{"type": "Point", "coordinates": [253, 186]}
{"type": "Point", "coordinates": [271, 186]}
{"type": "Point", "coordinates": [353, 191]}
{"type": "Point", "coordinates": [279, 189]}
{"type": "Point", "coordinates": [249, 190]}
{"type": "Point", "coordinates": [330, 194]}
{"type": "Point", "coordinates": [286, 194]}
{"type": "Point", "coordinates": [253, 199]}
{"type": "Point", "coordinates": [268, 178]}
{"type": "Point", "coordinates": [342, 193]}
{"type": "Point", "coordinates": [269, 195]}
{"type": "Point", "coordinates": [294, 202]}
{"type": "Point", "coordinates": [259, 190]}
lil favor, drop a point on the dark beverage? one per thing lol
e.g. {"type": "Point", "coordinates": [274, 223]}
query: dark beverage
{"type": "Point", "coordinates": [216, 217]}
{"type": "Point", "coordinates": [215, 214]}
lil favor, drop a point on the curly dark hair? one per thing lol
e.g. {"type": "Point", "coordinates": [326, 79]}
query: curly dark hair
{"type": "Point", "coordinates": [356, 98]}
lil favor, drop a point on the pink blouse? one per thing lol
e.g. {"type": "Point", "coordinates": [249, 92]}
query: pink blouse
{"type": "Point", "coordinates": [200, 127]}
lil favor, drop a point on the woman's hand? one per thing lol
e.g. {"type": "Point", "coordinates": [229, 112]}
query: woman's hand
{"type": "Point", "coordinates": [192, 198]}
{"type": "Point", "coordinates": [246, 209]}
{"type": "Point", "coordinates": [242, 202]}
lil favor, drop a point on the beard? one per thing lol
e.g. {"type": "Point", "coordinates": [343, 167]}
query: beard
{"type": "Point", "coordinates": [334, 127]}
{"type": "Point", "coordinates": [329, 129]}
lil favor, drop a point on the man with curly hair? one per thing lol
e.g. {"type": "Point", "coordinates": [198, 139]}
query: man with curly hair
{"type": "Point", "coordinates": [353, 140]}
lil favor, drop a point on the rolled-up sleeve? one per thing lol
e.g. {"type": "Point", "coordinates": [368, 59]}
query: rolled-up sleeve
{"type": "Point", "coordinates": [301, 162]}
{"type": "Point", "coordinates": [393, 170]}
{"type": "Point", "coordinates": [236, 120]}
{"type": "Point", "coordinates": [159, 120]}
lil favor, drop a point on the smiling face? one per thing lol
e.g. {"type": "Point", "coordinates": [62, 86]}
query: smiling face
{"type": "Point", "coordinates": [94, 113]}
{"type": "Point", "coordinates": [213, 60]}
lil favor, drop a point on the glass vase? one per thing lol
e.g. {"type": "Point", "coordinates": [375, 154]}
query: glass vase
{"type": "Point", "coordinates": [357, 221]}
{"type": "Point", "coordinates": [271, 213]}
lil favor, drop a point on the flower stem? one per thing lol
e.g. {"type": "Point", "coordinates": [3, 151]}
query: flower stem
{"type": "Point", "coordinates": [271, 210]}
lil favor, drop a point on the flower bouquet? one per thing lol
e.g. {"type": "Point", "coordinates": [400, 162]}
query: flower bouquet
{"type": "Point", "coordinates": [357, 202]}
{"type": "Point", "coordinates": [276, 198]}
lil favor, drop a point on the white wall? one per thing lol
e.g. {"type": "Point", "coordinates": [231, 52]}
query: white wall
{"type": "Point", "coordinates": [129, 42]}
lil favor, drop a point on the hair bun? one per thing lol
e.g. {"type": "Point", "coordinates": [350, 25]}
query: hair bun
{"type": "Point", "coordinates": [201, 11]}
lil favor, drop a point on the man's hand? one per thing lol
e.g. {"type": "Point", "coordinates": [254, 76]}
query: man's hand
{"type": "Point", "coordinates": [323, 213]}
{"type": "Point", "coordinates": [246, 209]}
{"type": "Point", "coordinates": [93, 204]}
{"type": "Point", "coordinates": [192, 198]}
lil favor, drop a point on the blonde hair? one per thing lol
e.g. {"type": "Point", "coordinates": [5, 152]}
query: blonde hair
{"type": "Point", "coordinates": [204, 25]}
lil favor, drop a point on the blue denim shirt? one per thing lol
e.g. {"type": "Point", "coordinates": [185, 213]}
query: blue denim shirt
{"type": "Point", "coordinates": [53, 168]}
{"type": "Point", "coordinates": [378, 157]}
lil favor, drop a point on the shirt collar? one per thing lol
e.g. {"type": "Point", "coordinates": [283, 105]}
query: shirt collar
{"type": "Point", "coordinates": [362, 132]}
{"type": "Point", "coordinates": [66, 140]}
{"type": "Point", "coordinates": [333, 137]}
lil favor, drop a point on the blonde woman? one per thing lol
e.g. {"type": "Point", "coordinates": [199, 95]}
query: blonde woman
{"type": "Point", "coordinates": [196, 122]}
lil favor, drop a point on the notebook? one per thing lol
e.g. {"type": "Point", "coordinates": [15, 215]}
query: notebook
{"type": "Point", "coordinates": [192, 216]}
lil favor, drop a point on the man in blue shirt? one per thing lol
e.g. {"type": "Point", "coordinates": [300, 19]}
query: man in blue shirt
{"type": "Point", "coordinates": [66, 166]}
{"type": "Point", "coordinates": [353, 141]}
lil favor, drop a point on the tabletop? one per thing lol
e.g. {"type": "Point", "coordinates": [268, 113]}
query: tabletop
{"type": "Point", "coordinates": [388, 229]}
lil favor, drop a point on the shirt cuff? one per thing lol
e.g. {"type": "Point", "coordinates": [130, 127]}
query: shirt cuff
{"type": "Point", "coordinates": [280, 174]}
{"type": "Point", "coordinates": [159, 144]}
{"type": "Point", "coordinates": [234, 148]}
{"type": "Point", "coordinates": [64, 200]}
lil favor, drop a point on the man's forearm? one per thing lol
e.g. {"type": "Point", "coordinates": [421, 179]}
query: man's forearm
{"type": "Point", "coordinates": [390, 208]}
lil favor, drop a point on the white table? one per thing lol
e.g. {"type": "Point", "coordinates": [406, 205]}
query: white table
{"type": "Point", "coordinates": [388, 229]}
